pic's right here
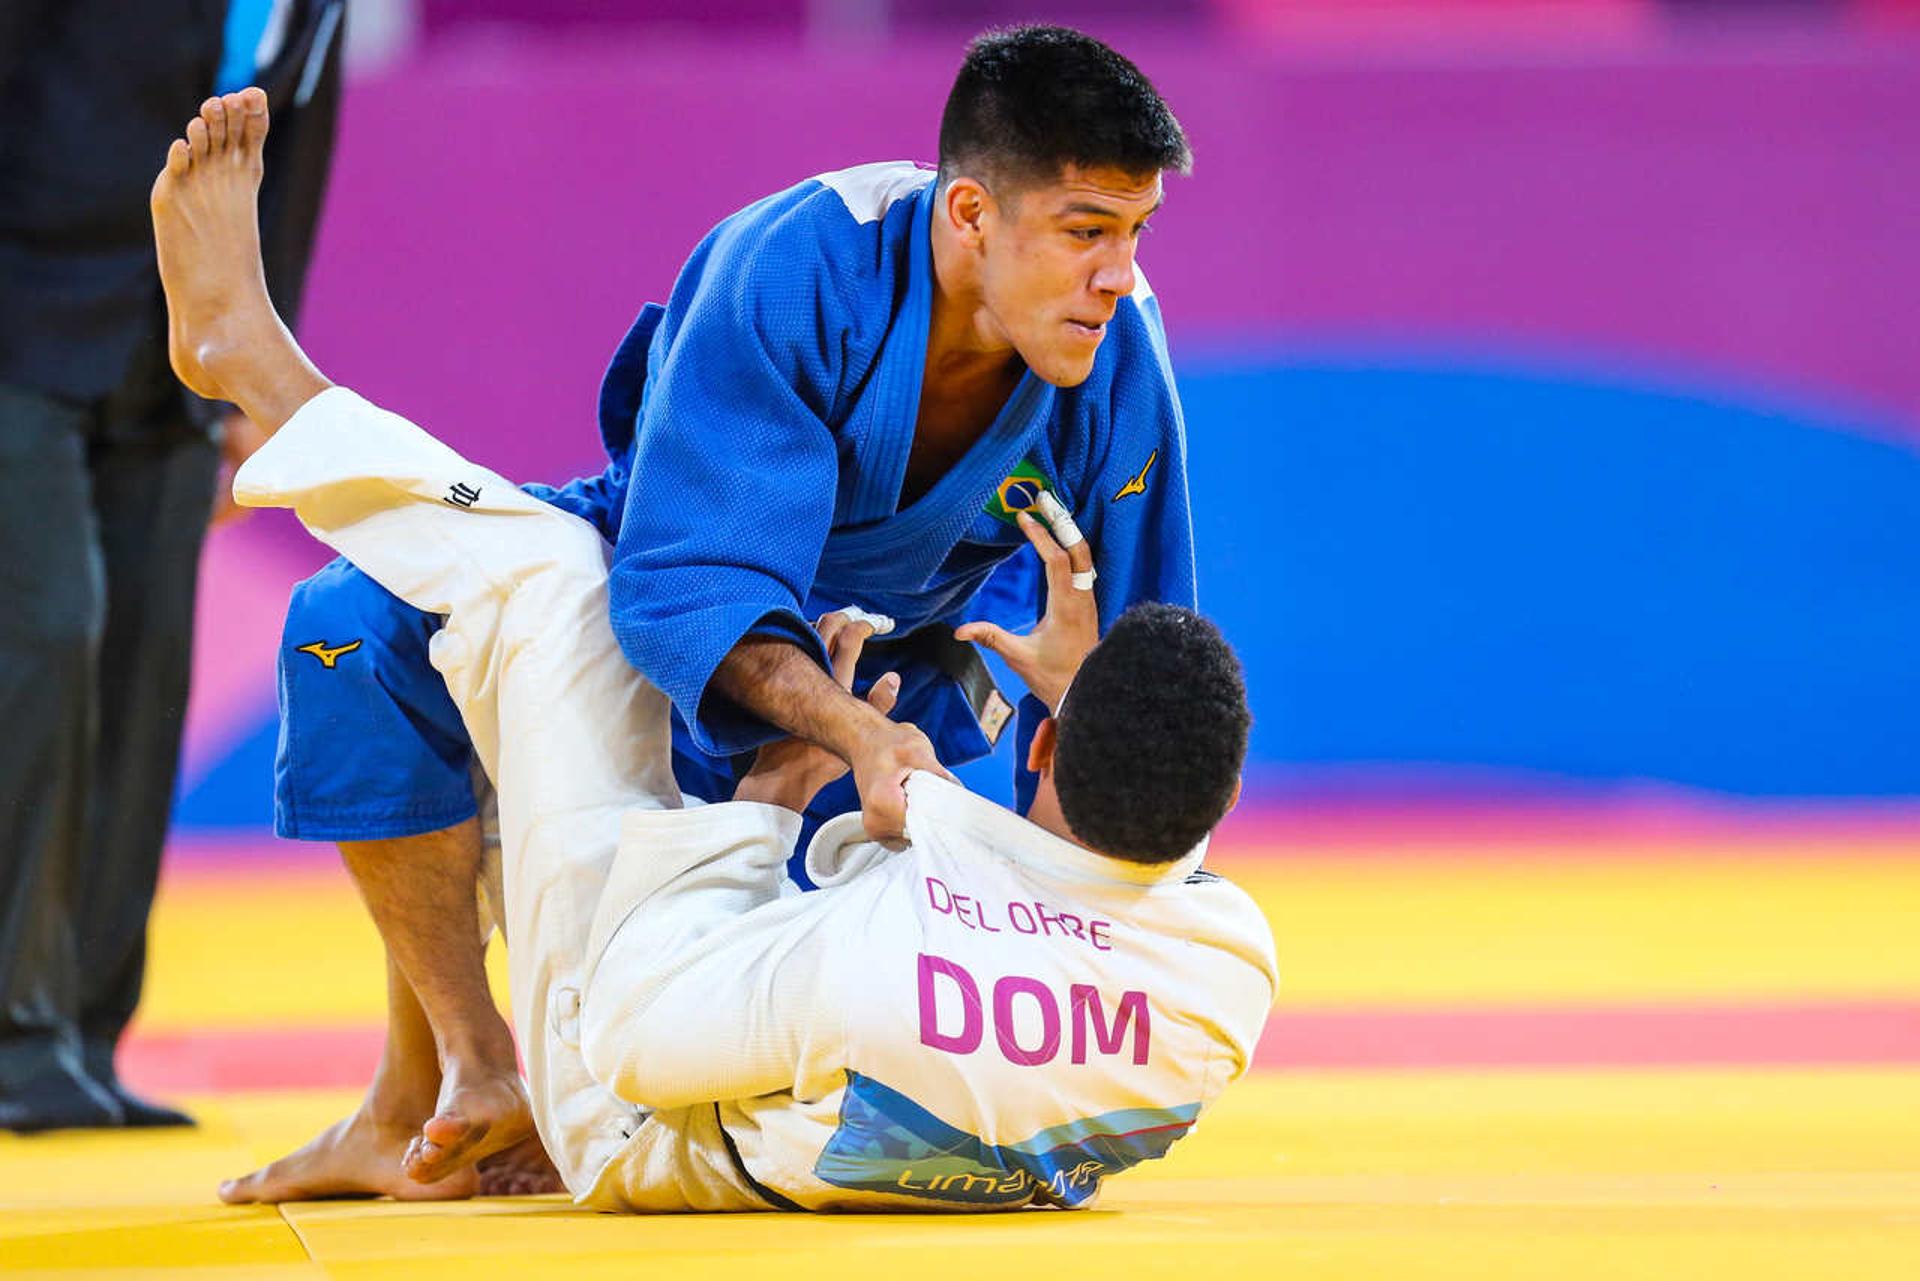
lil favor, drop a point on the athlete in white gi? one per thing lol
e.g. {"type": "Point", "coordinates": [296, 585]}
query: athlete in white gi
{"type": "Point", "coordinates": [994, 1015]}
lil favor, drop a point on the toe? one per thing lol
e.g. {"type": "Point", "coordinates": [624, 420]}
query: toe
{"type": "Point", "coordinates": [425, 1161]}
{"type": "Point", "coordinates": [214, 112]}
{"type": "Point", "coordinates": [253, 116]}
{"type": "Point", "coordinates": [446, 1128]}
{"type": "Point", "coordinates": [244, 1190]}
{"type": "Point", "coordinates": [197, 137]}
{"type": "Point", "coordinates": [441, 1144]}
{"type": "Point", "coordinates": [177, 157]}
{"type": "Point", "coordinates": [236, 108]}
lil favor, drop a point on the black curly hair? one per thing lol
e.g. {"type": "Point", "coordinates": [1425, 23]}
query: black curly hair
{"type": "Point", "coordinates": [1152, 736]}
{"type": "Point", "coordinates": [1029, 101]}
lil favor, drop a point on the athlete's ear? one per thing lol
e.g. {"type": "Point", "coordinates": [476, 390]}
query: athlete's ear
{"type": "Point", "coordinates": [966, 205]}
{"type": "Point", "coordinates": [1232, 804]}
{"type": "Point", "coordinates": [1040, 752]}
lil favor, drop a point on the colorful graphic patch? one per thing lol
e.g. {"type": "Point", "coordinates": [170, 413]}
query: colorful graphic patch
{"type": "Point", "coordinates": [888, 1143]}
{"type": "Point", "coordinates": [1018, 492]}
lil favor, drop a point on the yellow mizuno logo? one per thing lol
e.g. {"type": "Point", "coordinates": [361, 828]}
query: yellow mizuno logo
{"type": "Point", "coordinates": [327, 657]}
{"type": "Point", "coordinates": [1138, 485]}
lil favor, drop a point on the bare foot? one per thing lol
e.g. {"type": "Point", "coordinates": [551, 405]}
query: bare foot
{"type": "Point", "coordinates": [206, 229]}
{"type": "Point", "coordinates": [481, 1112]}
{"type": "Point", "coordinates": [524, 1169]}
{"type": "Point", "coordinates": [225, 340]}
{"type": "Point", "coordinates": [358, 1157]}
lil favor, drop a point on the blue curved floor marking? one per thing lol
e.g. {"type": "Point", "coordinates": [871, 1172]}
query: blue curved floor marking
{"type": "Point", "coordinates": [1515, 571]}
{"type": "Point", "coordinates": [1449, 567]}
{"type": "Point", "coordinates": [236, 791]}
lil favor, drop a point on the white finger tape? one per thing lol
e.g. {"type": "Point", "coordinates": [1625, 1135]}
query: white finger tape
{"type": "Point", "coordinates": [1083, 580]}
{"type": "Point", "coordinates": [1055, 513]}
{"type": "Point", "coordinates": [880, 623]}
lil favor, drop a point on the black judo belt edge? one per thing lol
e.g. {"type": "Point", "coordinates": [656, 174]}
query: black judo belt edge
{"type": "Point", "coordinates": [939, 647]}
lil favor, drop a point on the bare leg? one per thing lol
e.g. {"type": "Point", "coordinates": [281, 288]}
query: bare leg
{"type": "Point", "coordinates": [463, 1081]}
{"type": "Point", "coordinates": [360, 1156]}
{"type": "Point", "coordinates": [420, 892]}
{"type": "Point", "coordinates": [226, 341]}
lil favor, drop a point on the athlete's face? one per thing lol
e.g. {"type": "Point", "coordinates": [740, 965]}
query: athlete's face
{"type": "Point", "coordinates": [1057, 259]}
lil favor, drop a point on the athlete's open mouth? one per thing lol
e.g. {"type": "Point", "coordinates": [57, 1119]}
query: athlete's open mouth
{"type": "Point", "coordinates": [1091, 330]}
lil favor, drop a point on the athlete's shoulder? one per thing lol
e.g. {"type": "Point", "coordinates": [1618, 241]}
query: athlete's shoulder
{"type": "Point", "coordinates": [838, 210]}
{"type": "Point", "coordinates": [831, 249]}
{"type": "Point", "coordinates": [1221, 915]}
{"type": "Point", "coordinates": [868, 193]}
{"type": "Point", "coordinates": [1206, 885]}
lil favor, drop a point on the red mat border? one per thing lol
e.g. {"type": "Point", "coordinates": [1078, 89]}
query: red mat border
{"type": "Point", "coordinates": [1643, 1036]}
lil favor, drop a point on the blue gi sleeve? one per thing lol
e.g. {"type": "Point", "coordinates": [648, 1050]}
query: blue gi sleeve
{"type": "Point", "coordinates": [733, 476]}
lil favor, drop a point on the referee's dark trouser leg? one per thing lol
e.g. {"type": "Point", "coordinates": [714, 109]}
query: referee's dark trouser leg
{"type": "Point", "coordinates": [102, 513]}
{"type": "Point", "coordinates": [52, 610]}
{"type": "Point", "coordinates": [153, 479]}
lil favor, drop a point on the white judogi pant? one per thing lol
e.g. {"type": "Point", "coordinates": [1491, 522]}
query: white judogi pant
{"type": "Point", "coordinates": [575, 734]}
{"type": "Point", "coordinates": [991, 1017]}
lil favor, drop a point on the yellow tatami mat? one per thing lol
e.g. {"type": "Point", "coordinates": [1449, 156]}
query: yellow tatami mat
{"type": "Point", "coordinates": [1353, 1175]}
{"type": "Point", "coordinates": [1351, 928]}
{"type": "Point", "coordinates": [1493, 1062]}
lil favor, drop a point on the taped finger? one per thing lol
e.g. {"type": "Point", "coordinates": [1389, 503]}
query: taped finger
{"type": "Point", "coordinates": [880, 623]}
{"type": "Point", "coordinates": [1060, 520]}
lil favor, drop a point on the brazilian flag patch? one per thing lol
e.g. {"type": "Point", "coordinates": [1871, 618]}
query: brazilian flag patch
{"type": "Point", "coordinates": [1019, 492]}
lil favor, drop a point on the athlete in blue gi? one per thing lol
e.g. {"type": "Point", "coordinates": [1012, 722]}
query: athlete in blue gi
{"type": "Point", "coordinates": [855, 388]}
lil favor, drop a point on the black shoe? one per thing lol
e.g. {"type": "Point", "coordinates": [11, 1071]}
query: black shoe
{"type": "Point", "coordinates": [97, 1054]}
{"type": "Point", "coordinates": [145, 1114]}
{"type": "Point", "coordinates": [58, 1101]}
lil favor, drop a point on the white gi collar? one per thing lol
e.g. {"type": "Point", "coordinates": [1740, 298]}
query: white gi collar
{"type": "Point", "coordinates": [933, 803]}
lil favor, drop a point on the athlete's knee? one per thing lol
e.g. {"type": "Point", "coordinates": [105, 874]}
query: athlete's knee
{"type": "Point", "coordinates": [341, 599]}
{"type": "Point", "coordinates": [343, 624]}
{"type": "Point", "coordinates": [371, 746]}
{"type": "Point", "coordinates": [449, 854]}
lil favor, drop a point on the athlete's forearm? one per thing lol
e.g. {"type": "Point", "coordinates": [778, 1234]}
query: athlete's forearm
{"type": "Point", "coordinates": [786, 791]}
{"type": "Point", "coordinates": [780, 683]}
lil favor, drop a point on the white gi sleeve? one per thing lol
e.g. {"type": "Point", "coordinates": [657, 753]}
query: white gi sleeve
{"type": "Point", "coordinates": [706, 985]}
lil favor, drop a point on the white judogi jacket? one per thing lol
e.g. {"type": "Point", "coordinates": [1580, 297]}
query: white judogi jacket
{"type": "Point", "coordinates": [989, 1018]}
{"type": "Point", "coordinates": [992, 1017]}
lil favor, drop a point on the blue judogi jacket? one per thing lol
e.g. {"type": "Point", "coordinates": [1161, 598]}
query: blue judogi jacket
{"type": "Point", "coordinates": [770, 410]}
